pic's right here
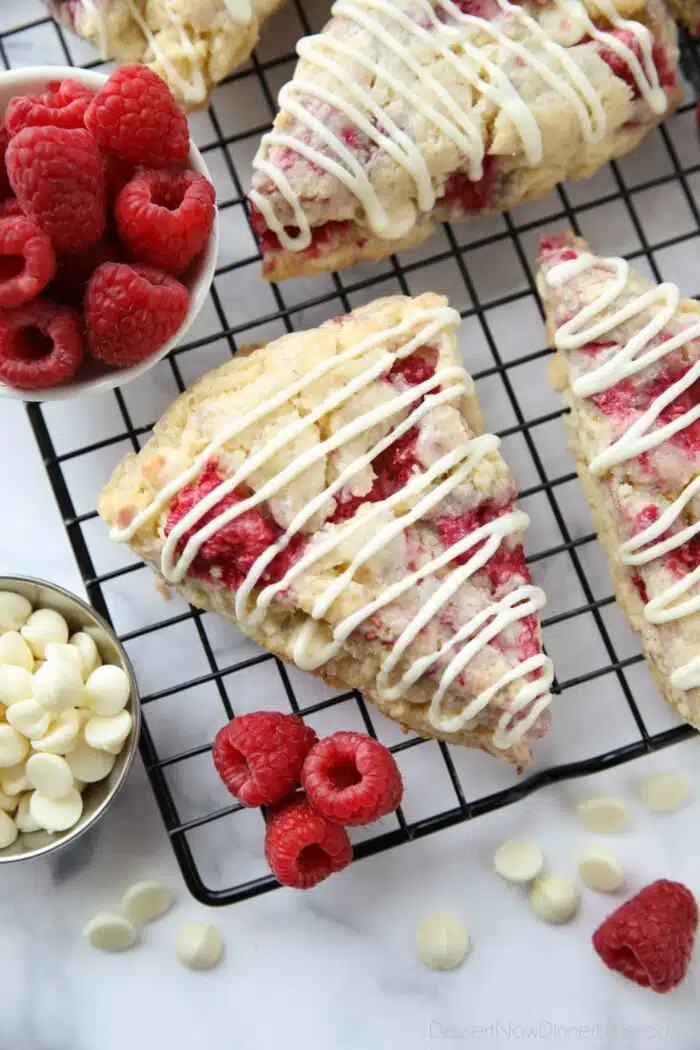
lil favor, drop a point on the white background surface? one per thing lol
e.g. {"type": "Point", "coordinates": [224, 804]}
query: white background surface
{"type": "Point", "coordinates": [336, 968]}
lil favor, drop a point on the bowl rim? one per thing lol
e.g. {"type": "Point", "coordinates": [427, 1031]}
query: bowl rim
{"type": "Point", "coordinates": [73, 834]}
{"type": "Point", "coordinates": [29, 75]}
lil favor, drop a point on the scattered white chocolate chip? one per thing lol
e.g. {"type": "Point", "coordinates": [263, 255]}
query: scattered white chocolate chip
{"type": "Point", "coordinates": [50, 775]}
{"type": "Point", "coordinates": [8, 830]}
{"type": "Point", "coordinates": [42, 627]}
{"type": "Point", "coordinates": [58, 686]}
{"type": "Point", "coordinates": [108, 734]}
{"type": "Point", "coordinates": [16, 683]}
{"type": "Point", "coordinates": [14, 651]}
{"type": "Point", "coordinates": [442, 941]}
{"type": "Point", "coordinates": [29, 718]}
{"type": "Point", "coordinates": [665, 792]}
{"type": "Point", "coordinates": [602, 814]}
{"type": "Point", "coordinates": [13, 746]}
{"type": "Point", "coordinates": [64, 651]}
{"type": "Point", "coordinates": [89, 764]}
{"type": "Point", "coordinates": [8, 802]}
{"type": "Point", "coordinates": [107, 690]}
{"type": "Point", "coordinates": [109, 933]}
{"type": "Point", "coordinates": [198, 945]}
{"type": "Point", "coordinates": [23, 817]}
{"type": "Point", "coordinates": [554, 899]}
{"type": "Point", "coordinates": [599, 869]}
{"type": "Point", "coordinates": [56, 814]}
{"type": "Point", "coordinates": [15, 610]}
{"type": "Point", "coordinates": [146, 900]}
{"type": "Point", "coordinates": [89, 653]}
{"type": "Point", "coordinates": [13, 781]}
{"type": "Point", "coordinates": [518, 861]}
{"type": "Point", "coordinates": [62, 734]}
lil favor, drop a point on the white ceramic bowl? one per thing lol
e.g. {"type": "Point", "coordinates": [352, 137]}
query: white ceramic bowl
{"type": "Point", "coordinates": [31, 81]}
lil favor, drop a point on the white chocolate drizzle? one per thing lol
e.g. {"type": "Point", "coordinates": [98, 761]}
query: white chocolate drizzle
{"type": "Point", "coordinates": [315, 642]}
{"type": "Point", "coordinates": [601, 317]}
{"type": "Point", "coordinates": [390, 27]}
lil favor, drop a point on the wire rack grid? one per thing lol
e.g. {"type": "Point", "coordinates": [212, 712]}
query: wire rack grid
{"type": "Point", "coordinates": [196, 671]}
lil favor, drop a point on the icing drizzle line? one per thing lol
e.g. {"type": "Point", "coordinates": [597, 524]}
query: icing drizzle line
{"type": "Point", "coordinates": [390, 26]}
{"type": "Point", "coordinates": [600, 317]}
{"type": "Point", "coordinates": [314, 642]}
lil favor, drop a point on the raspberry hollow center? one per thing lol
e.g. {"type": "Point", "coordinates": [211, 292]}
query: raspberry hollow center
{"type": "Point", "coordinates": [168, 195]}
{"type": "Point", "coordinates": [32, 344]}
{"type": "Point", "coordinates": [344, 774]}
{"type": "Point", "coordinates": [11, 266]}
{"type": "Point", "coordinates": [314, 859]}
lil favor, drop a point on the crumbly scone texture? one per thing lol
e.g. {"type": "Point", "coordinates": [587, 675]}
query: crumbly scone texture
{"type": "Point", "coordinates": [194, 42]}
{"type": "Point", "coordinates": [623, 495]}
{"type": "Point", "coordinates": [342, 232]}
{"type": "Point", "coordinates": [688, 12]}
{"type": "Point", "coordinates": [231, 390]}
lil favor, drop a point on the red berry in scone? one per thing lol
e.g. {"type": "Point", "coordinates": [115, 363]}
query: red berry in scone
{"type": "Point", "coordinates": [136, 117]}
{"type": "Point", "coordinates": [259, 756]}
{"type": "Point", "coordinates": [302, 847]}
{"type": "Point", "coordinates": [165, 217]}
{"type": "Point", "coordinates": [131, 311]}
{"type": "Point", "coordinates": [56, 174]}
{"type": "Point", "coordinates": [351, 778]}
{"type": "Point", "coordinates": [649, 939]}
{"type": "Point", "coordinates": [63, 107]}
{"type": "Point", "coordinates": [27, 261]}
{"type": "Point", "coordinates": [40, 345]}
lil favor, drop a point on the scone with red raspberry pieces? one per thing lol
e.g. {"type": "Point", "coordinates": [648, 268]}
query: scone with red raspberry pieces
{"type": "Point", "coordinates": [404, 114]}
{"type": "Point", "coordinates": [628, 364]}
{"type": "Point", "coordinates": [335, 496]}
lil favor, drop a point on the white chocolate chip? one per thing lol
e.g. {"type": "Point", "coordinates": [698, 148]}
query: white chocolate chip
{"type": "Point", "coordinates": [62, 734]}
{"type": "Point", "coordinates": [8, 830]}
{"type": "Point", "coordinates": [23, 817]}
{"type": "Point", "coordinates": [29, 718]}
{"type": "Point", "coordinates": [15, 610]}
{"type": "Point", "coordinates": [56, 814]}
{"type": "Point", "coordinates": [518, 861]}
{"type": "Point", "coordinates": [146, 900]}
{"type": "Point", "coordinates": [13, 746]}
{"type": "Point", "coordinates": [89, 764]}
{"type": "Point", "coordinates": [107, 690]}
{"type": "Point", "coordinates": [554, 899]}
{"type": "Point", "coordinates": [42, 627]}
{"type": "Point", "coordinates": [108, 734]}
{"type": "Point", "coordinates": [665, 792]}
{"type": "Point", "coordinates": [442, 941]}
{"type": "Point", "coordinates": [599, 869]}
{"type": "Point", "coordinates": [16, 683]}
{"type": "Point", "coordinates": [13, 781]}
{"type": "Point", "coordinates": [602, 814]}
{"type": "Point", "coordinates": [50, 775]}
{"type": "Point", "coordinates": [198, 945]}
{"type": "Point", "coordinates": [89, 653]}
{"type": "Point", "coordinates": [58, 686]}
{"type": "Point", "coordinates": [14, 651]}
{"type": "Point", "coordinates": [8, 802]}
{"type": "Point", "coordinates": [60, 651]}
{"type": "Point", "coordinates": [109, 933]}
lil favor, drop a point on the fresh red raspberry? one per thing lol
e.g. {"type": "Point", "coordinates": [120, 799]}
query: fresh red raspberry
{"type": "Point", "coordinates": [27, 262]}
{"type": "Point", "coordinates": [10, 208]}
{"type": "Point", "coordinates": [136, 116]}
{"type": "Point", "coordinates": [4, 181]}
{"type": "Point", "coordinates": [351, 778]}
{"type": "Point", "coordinates": [259, 756]}
{"type": "Point", "coordinates": [40, 345]}
{"type": "Point", "coordinates": [116, 175]}
{"type": "Point", "coordinates": [74, 270]}
{"type": "Point", "coordinates": [131, 311]}
{"type": "Point", "coordinates": [165, 217]}
{"type": "Point", "coordinates": [302, 847]}
{"type": "Point", "coordinates": [56, 174]}
{"type": "Point", "coordinates": [649, 939]}
{"type": "Point", "coordinates": [63, 107]}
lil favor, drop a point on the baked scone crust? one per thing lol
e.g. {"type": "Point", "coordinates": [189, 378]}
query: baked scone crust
{"type": "Point", "coordinates": [615, 497]}
{"type": "Point", "coordinates": [227, 392]}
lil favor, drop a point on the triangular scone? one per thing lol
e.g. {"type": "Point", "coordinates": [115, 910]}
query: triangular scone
{"type": "Point", "coordinates": [405, 112]}
{"type": "Point", "coordinates": [628, 363]}
{"type": "Point", "coordinates": [191, 44]}
{"type": "Point", "coordinates": [353, 518]}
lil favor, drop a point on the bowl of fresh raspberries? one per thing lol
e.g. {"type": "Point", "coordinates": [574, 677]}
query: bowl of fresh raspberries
{"type": "Point", "coordinates": [108, 229]}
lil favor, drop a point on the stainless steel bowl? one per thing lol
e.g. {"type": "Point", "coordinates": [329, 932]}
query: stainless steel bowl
{"type": "Point", "coordinates": [96, 797]}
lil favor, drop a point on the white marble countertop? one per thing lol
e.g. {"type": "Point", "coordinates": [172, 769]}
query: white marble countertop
{"type": "Point", "coordinates": [333, 968]}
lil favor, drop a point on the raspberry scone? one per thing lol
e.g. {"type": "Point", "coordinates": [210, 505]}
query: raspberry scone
{"type": "Point", "coordinates": [402, 113]}
{"type": "Point", "coordinates": [628, 362]}
{"type": "Point", "coordinates": [334, 495]}
{"type": "Point", "coordinates": [191, 44]}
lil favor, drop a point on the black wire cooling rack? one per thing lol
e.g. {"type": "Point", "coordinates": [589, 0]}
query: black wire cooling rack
{"type": "Point", "coordinates": [606, 711]}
